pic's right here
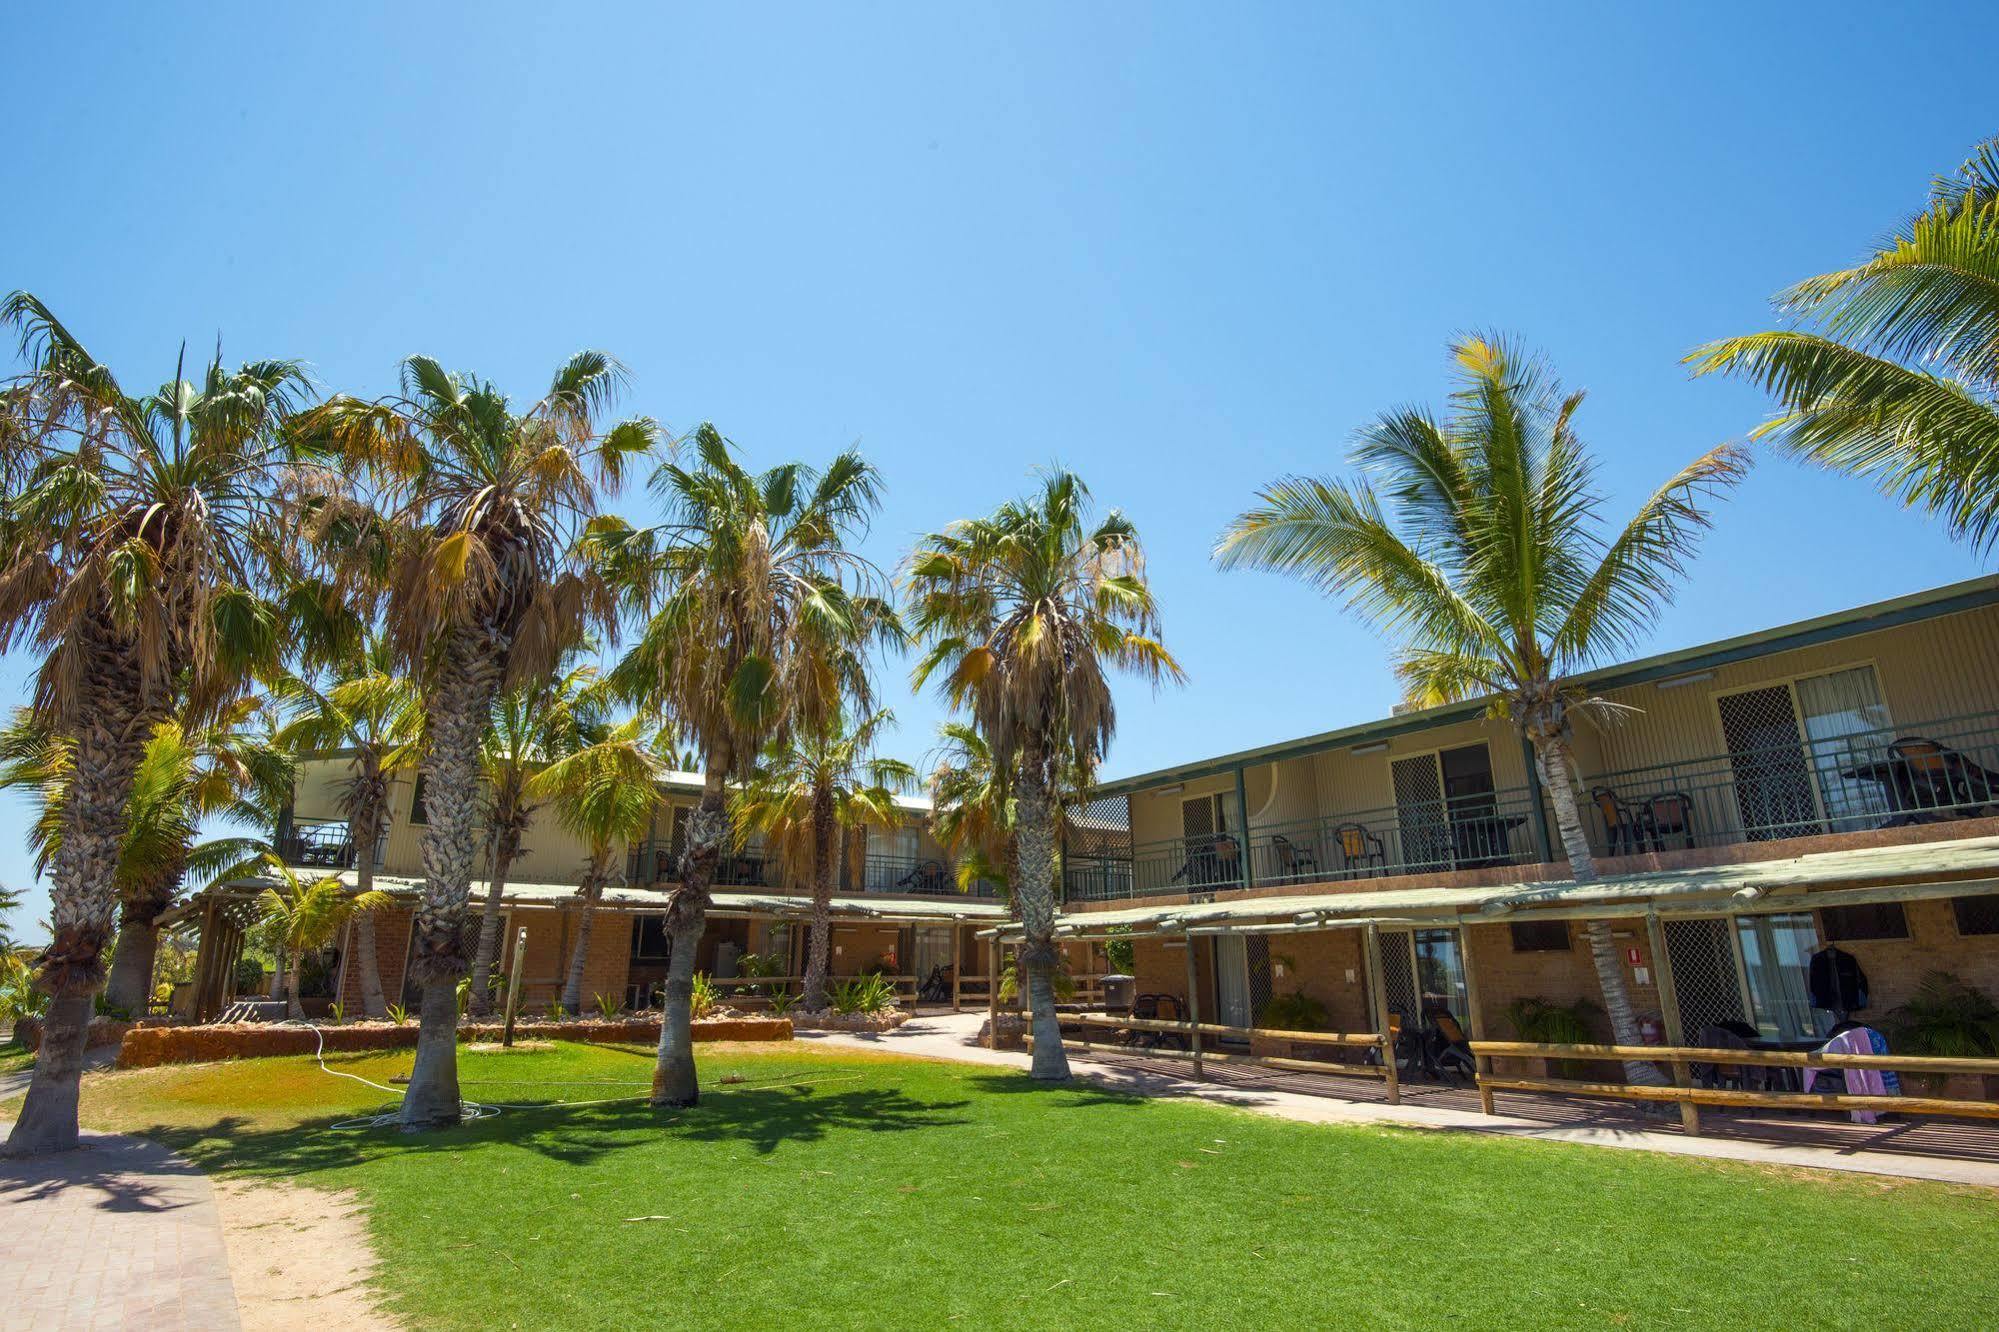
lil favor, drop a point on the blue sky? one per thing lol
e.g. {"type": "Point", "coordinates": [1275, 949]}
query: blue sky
{"type": "Point", "coordinates": [1182, 249]}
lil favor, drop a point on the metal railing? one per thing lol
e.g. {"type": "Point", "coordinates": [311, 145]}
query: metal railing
{"type": "Point", "coordinates": [320, 845]}
{"type": "Point", "coordinates": [1922, 772]}
{"type": "Point", "coordinates": [928, 876]}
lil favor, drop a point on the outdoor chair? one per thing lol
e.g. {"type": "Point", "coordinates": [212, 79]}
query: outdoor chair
{"type": "Point", "coordinates": [1926, 771]}
{"type": "Point", "coordinates": [1293, 861]}
{"type": "Point", "coordinates": [1669, 814]}
{"type": "Point", "coordinates": [1360, 849]}
{"type": "Point", "coordinates": [928, 877]}
{"type": "Point", "coordinates": [1620, 821]}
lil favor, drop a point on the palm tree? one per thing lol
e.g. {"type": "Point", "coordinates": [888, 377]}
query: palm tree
{"type": "Point", "coordinates": [1895, 375]}
{"type": "Point", "coordinates": [360, 704]}
{"type": "Point", "coordinates": [534, 723]}
{"type": "Point", "coordinates": [301, 918]}
{"type": "Point", "coordinates": [228, 769]}
{"type": "Point", "coordinates": [1025, 612]}
{"type": "Point", "coordinates": [606, 793]}
{"type": "Point", "coordinates": [1475, 540]}
{"type": "Point", "coordinates": [139, 538]}
{"type": "Point", "coordinates": [749, 591]}
{"type": "Point", "coordinates": [814, 799]}
{"type": "Point", "coordinates": [485, 589]}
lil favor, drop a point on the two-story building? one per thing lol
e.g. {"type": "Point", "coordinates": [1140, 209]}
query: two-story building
{"type": "Point", "coordinates": [1830, 783]}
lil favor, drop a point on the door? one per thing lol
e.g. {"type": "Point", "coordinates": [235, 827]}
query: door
{"type": "Point", "coordinates": [1231, 980]}
{"type": "Point", "coordinates": [1419, 813]}
{"type": "Point", "coordinates": [1440, 973]}
{"type": "Point", "coordinates": [1477, 835]}
{"type": "Point", "coordinates": [930, 949]}
{"type": "Point", "coordinates": [1766, 755]}
{"type": "Point", "coordinates": [1846, 726]}
{"type": "Point", "coordinates": [1705, 975]}
{"type": "Point", "coordinates": [1747, 972]}
{"type": "Point", "coordinates": [1398, 979]}
{"type": "Point", "coordinates": [1212, 855]}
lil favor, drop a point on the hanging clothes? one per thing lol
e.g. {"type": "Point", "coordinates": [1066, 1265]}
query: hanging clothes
{"type": "Point", "coordinates": [1858, 1081]}
{"type": "Point", "coordinates": [1836, 982]}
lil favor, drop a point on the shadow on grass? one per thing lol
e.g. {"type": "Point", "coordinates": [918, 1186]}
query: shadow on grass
{"type": "Point", "coordinates": [763, 1118]}
{"type": "Point", "coordinates": [1078, 1093]}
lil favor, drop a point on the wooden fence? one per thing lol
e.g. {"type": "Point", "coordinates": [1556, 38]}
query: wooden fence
{"type": "Point", "coordinates": [1690, 1097]}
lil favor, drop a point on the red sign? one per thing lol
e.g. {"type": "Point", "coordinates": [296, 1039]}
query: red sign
{"type": "Point", "coordinates": [1632, 954]}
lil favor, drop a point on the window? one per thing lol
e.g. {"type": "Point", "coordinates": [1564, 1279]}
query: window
{"type": "Point", "coordinates": [1540, 936]}
{"type": "Point", "coordinates": [1976, 915]}
{"type": "Point", "coordinates": [418, 814]}
{"type": "Point", "coordinates": [649, 940]}
{"type": "Point", "coordinates": [1880, 920]}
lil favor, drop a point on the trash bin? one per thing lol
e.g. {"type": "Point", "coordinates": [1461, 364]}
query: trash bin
{"type": "Point", "coordinates": [1118, 992]}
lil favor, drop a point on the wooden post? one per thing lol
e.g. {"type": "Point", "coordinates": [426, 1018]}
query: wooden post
{"type": "Point", "coordinates": [1474, 1019]}
{"type": "Point", "coordinates": [1669, 1015]}
{"type": "Point", "coordinates": [1193, 1005]}
{"type": "Point", "coordinates": [957, 967]}
{"type": "Point", "coordinates": [992, 993]}
{"type": "Point", "coordinates": [1377, 988]}
{"type": "Point", "coordinates": [514, 985]}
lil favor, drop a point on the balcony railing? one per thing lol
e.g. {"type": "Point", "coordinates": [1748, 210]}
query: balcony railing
{"type": "Point", "coordinates": [319, 845]}
{"type": "Point", "coordinates": [656, 862]}
{"type": "Point", "coordinates": [1924, 772]}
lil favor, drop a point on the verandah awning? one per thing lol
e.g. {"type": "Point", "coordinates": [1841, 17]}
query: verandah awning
{"type": "Point", "coordinates": [1831, 878]}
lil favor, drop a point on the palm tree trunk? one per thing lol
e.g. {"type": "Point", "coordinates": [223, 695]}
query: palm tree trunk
{"type": "Point", "coordinates": [130, 989]}
{"type": "Point", "coordinates": [363, 830]}
{"type": "Point", "coordinates": [295, 1002]}
{"type": "Point", "coordinates": [114, 722]}
{"type": "Point", "coordinates": [1552, 753]}
{"type": "Point", "coordinates": [592, 888]}
{"type": "Point", "coordinates": [674, 1082]}
{"type": "Point", "coordinates": [506, 845]}
{"type": "Point", "coordinates": [819, 941]}
{"type": "Point", "coordinates": [1034, 901]}
{"type": "Point", "coordinates": [460, 704]}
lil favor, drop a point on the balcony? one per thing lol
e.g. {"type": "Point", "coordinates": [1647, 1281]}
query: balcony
{"type": "Point", "coordinates": [318, 845]}
{"type": "Point", "coordinates": [1424, 836]}
{"type": "Point", "coordinates": [924, 876]}
{"type": "Point", "coordinates": [1891, 777]}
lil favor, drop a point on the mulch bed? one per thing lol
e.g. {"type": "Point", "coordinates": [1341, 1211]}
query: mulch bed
{"type": "Point", "coordinates": [149, 1047]}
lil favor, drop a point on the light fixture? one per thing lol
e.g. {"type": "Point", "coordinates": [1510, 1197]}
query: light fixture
{"type": "Point", "coordinates": [1378, 747]}
{"type": "Point", "coordinates": [1174, 789]}
{"type": "Point", "coordinates": [1682, 681]}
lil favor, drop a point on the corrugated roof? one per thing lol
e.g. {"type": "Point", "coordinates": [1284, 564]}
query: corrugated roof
{"type": "Point", "coordinates": [867, 906]}
{"type": "Point", "coordinates": [1930, 869]}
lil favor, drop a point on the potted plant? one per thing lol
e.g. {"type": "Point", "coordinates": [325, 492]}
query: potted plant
{"type": "Point", "coordinates": [1947, 1018]}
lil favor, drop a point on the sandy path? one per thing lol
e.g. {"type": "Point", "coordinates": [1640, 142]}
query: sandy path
{"type": "Point", "coordinates": [299, 1257]}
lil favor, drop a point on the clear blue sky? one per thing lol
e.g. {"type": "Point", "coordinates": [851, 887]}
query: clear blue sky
{"type": "Point", "coordinates": [1182, 249]}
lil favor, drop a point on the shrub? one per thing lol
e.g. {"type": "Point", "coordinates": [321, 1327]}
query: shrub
{"type": "Point", "coordinates": [609, 1005]}
{"type": "Point", "coordinates": [398, 1014]}
{"type": "Point", "coordinates": [18, 996]}
{"type": "Point", "coordinates": [781, 1002]}
{"type": "Point", "coordinates": [864, 994]}
{"type": "Point", "coordinates": [337, 1011]}
{"type": "Point", "coordinates": [1296, 1011]}
{"type": "Point", "coordinates": [704, 1000]}
{"type": "Point", "coordinates": [1009, 990]}
{"type": "Point", "coordinates": [1946, 1017]}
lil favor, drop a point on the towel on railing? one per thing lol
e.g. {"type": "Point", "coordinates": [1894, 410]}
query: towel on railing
{"type": "Point", "coordinates": [1859, 1081]}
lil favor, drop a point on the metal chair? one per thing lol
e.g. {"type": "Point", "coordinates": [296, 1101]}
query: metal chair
{"type": "Point", "coordinates": [1620, 821]}
{"type": "Point", "coordinates": [1293, 861]}
{"type": "Point", "coordinates": [1668, 814]}
{"type": "Point", "coordinates": [929, 876]}
{"type": "Point", "coordinates": [1359, 848]}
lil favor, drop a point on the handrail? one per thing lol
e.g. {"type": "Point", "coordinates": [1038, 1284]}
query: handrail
{"type": "Point", "coordinates": [1690, 1097]}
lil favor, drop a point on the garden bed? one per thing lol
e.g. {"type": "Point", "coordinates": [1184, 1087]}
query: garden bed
{"type": "Point", "coordinates": [149, 1047]}
{"type": "Point", "coordinates": [103, 1031]}
{"type": "Point", "coordinates": [886, 1020]}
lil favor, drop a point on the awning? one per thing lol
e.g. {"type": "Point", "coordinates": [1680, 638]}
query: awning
{"type": "Point", "coordinates": [1832, 878]}
{"type": "Point", "coordinates": [726, 904]}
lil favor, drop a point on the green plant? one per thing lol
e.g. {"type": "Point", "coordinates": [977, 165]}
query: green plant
{"type": "Point", "coordinates": [464, 995]}
{"type": "Point", "coordinates": [399, 1014]}
{"type": "Point", "coordinates": [1545, 1022]}
{"type": "Point", "coordinates": [102, 1006]}
{"type": "Point", "coordinates": [1946, 1017]}
{"type": "Point", "coordinates": [556, 1012]}
{"type": "Point", "coordinates": [608, 1005]}
{"type": "Point", "coordinates": [705, 999]}
{"type": "Point", "coordinates": [337, 1011]}
{"type": "Point", "coordinates": [18, 996]}
{"type": "Point", "coordinates": [781, 1002]}
{"type": "Point", "coordinates": [1009, 991]}
{"type": "Point", "coordinates": [864, 994]}
{"type": "Point", "coordinates": [1120, 951]}
{"type": "Point", "coordinates": [1296, 1011]}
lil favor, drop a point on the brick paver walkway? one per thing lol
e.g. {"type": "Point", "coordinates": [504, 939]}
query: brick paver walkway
{"type": "Point", "coordinates": [118, 1234]}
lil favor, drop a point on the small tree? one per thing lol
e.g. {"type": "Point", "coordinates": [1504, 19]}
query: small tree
{"type": "Point", "coordinates": [298, 918]}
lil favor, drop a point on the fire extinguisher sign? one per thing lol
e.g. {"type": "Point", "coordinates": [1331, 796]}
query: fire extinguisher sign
{"type": "Point", "coordinates": [1631, 955]}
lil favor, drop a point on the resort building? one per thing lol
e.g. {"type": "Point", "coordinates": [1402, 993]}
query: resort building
{"type": "Point", "coordinates": [1751, 804]}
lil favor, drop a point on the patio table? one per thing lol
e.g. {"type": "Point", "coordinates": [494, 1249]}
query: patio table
{"type": "Point", "coordinates": [1896, 776]}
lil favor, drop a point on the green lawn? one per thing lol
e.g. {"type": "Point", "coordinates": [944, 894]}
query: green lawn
{"type": "Point", "coordinates": [873, 1192]}
{"type": "Point", "coordinates": [15, 1057]}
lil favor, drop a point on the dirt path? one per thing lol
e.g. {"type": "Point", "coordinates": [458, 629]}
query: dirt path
{"type": "Point", "coordinates": [299, 1257]}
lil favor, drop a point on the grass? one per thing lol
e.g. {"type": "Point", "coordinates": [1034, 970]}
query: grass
{"type": "Point", "coordinates": [15, 1057]}
{"type": "Point", "coordinates": [863, 1191]}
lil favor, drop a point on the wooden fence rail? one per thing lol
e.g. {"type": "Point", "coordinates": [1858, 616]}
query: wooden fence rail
{"type": "Point", "coordinates": [1196, 1054]}
{"type": "Point", "coordinates": [1690, 1097]}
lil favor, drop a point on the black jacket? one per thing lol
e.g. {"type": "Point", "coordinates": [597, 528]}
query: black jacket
{"type": "Point", "coordinates": [1837, 983]}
